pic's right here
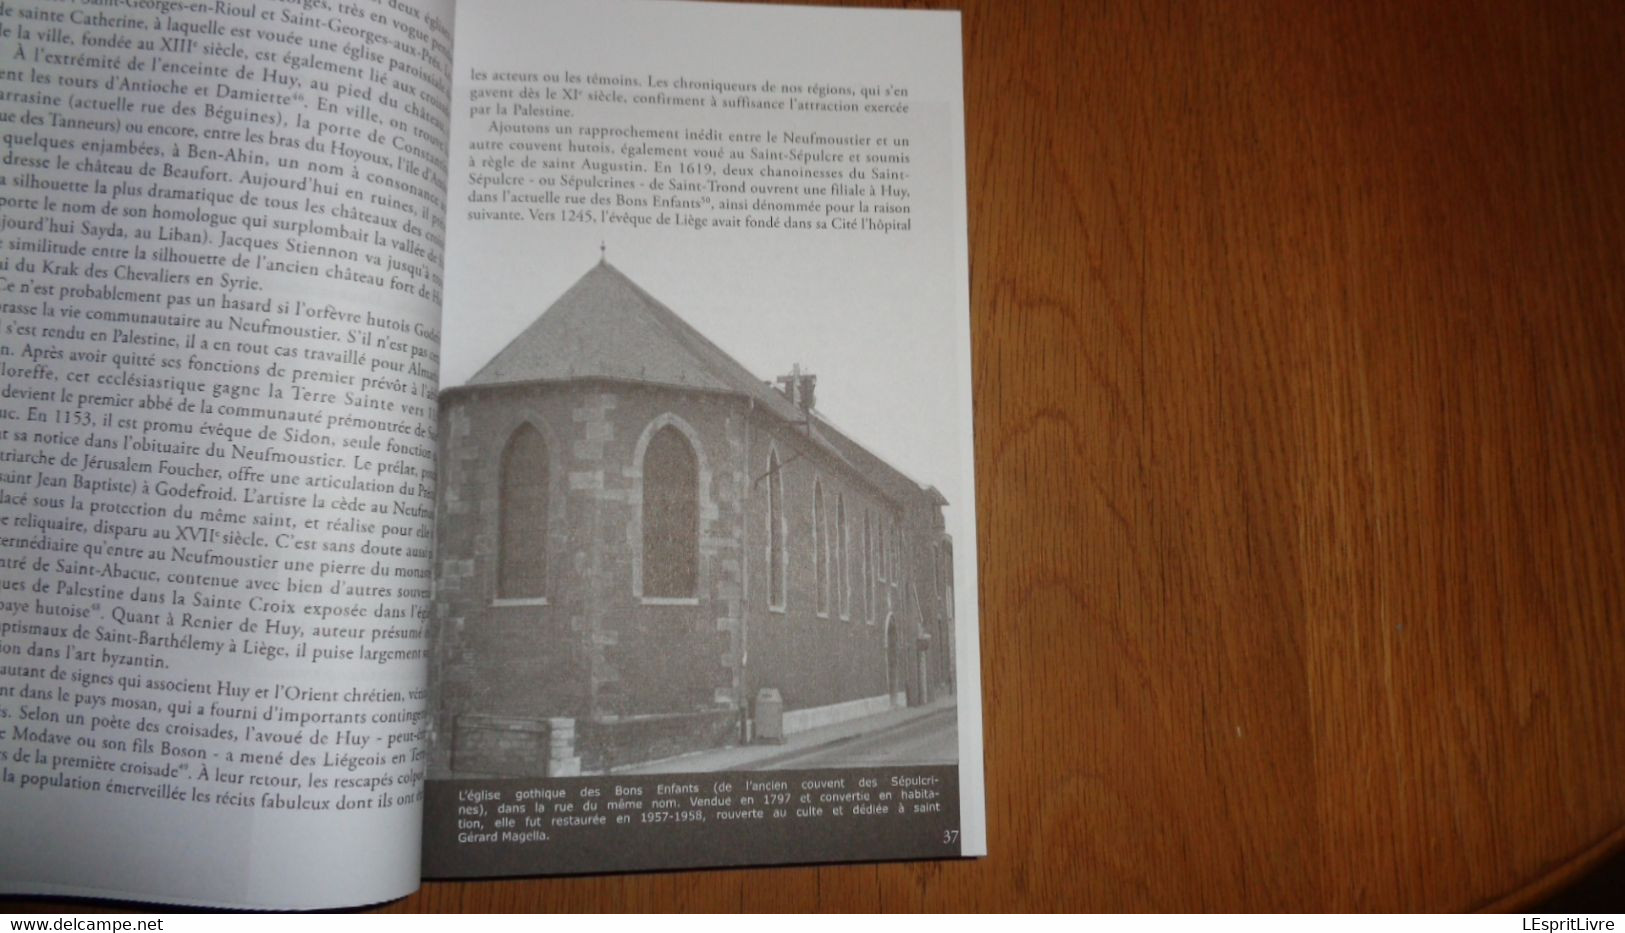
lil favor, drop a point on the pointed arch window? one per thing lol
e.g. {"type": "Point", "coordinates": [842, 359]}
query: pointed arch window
{"type": "Point", "coordinates": [820, 551]}
{"type": "Point", "coordinates": [775, 533]}
{"type": "Point", "coordinates": [936, 571]}
{"type": "Point", "coordinates": [671, 517]}
{"type": "Point", "coordinates": [900, 555]}
{"type": "Point", "coordinates": [522, 548]}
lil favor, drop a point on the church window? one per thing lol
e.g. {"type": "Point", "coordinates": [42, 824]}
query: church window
{"type": "Point", "coordinates": [843, 569]}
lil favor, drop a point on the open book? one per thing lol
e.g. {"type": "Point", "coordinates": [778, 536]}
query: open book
{"type": "Point", "coordinates": [545, 450]}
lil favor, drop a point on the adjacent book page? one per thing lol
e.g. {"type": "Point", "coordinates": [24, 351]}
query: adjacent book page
{"type": "Point", "coordinates": [705, 575]}
{"type": "Point", "coordinates": [219, 292]}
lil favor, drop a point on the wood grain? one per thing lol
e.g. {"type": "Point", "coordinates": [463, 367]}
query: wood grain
{"type": "Point", "coordinates": [1300, 373]}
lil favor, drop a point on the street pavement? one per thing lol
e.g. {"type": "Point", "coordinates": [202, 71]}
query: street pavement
{"type": "Point", "coordinates": [932, 739]}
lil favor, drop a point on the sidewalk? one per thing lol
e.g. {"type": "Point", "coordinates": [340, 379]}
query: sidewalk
{"type": "Point", "coordinates": [750, 757]}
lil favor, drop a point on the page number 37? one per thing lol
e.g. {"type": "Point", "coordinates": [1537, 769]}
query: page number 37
{"type": "Point", "coordinates": [950, 836]}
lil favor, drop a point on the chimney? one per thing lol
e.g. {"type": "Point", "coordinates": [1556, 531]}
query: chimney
{"type": "Point", "coordinates": [799, 387]}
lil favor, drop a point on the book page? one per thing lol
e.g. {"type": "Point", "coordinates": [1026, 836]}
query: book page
{"type": "Point", "coordinates": [705, 571]}
{"type": "Point", "coordinates": [219, 288]}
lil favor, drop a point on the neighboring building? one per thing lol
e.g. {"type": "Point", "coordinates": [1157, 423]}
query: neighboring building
{"type": "Point", "coordinates": [636, 536]}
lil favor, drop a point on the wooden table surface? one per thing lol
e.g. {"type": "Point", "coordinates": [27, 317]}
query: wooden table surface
{"type": "Point", "coordinates": [1300, 373]}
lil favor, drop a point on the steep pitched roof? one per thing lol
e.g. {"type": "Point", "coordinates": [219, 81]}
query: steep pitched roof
{"type": "Point", "coordinates": [605, 326]}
